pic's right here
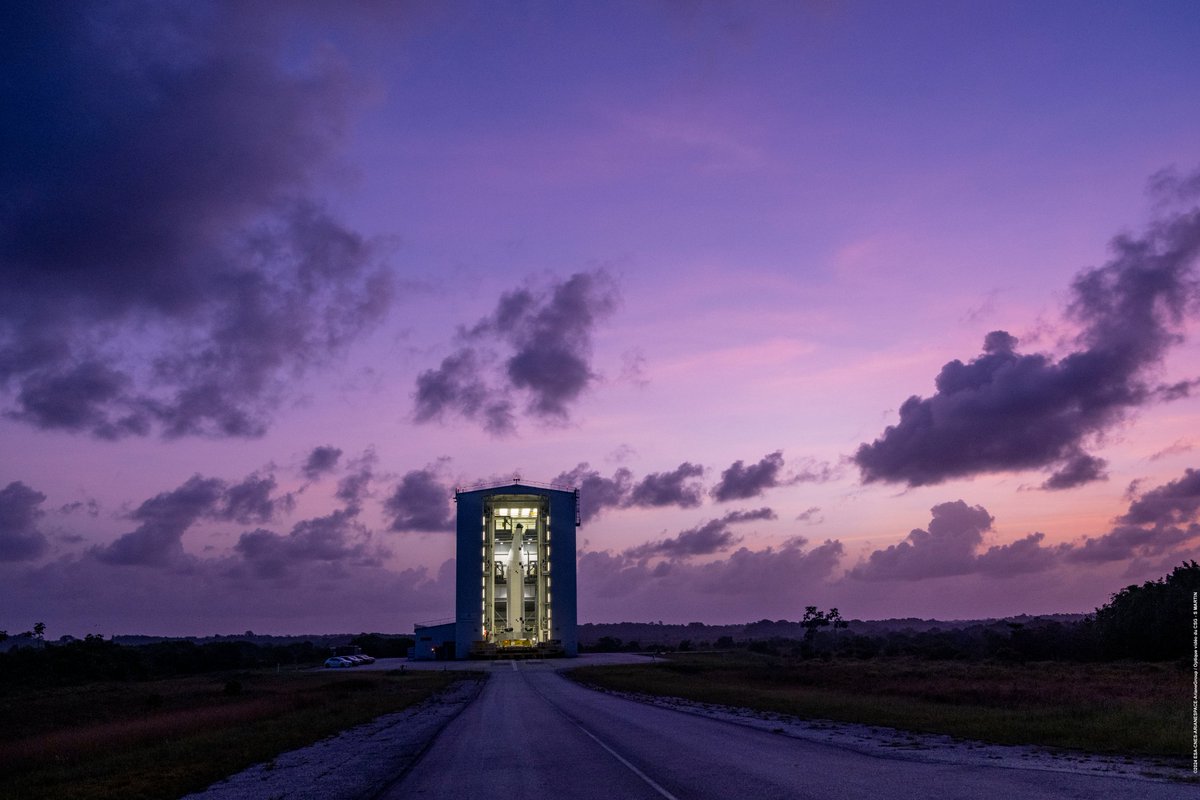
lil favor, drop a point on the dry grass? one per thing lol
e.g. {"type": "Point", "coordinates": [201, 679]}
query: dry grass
{"type": "Point", "coordinates": [1127, 709]}
{"type": "Point", "coordinates": [163, 739]}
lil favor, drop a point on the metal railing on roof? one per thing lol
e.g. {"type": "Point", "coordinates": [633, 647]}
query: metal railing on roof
{"type": "Point", "coordinates": [517, 479]}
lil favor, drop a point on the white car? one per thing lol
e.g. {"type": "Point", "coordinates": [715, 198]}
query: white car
{"type": "Point", "coordinates": [337, 662]}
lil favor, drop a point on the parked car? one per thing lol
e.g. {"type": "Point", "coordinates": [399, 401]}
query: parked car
{"type": "Point", "coordinates": [337, 662]}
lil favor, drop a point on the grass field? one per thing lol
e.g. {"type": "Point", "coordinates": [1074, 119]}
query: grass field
{"type": "Point", "coordinates": [1126, 709]}
{"type": "Point", "coordinates": [163, 739]}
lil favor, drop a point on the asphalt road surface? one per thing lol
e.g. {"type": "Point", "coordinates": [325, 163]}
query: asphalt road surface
{"type": "Point", "coordinates": [532, 733]}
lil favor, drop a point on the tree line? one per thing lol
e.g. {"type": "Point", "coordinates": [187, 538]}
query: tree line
{"type": "Point", "coordinates": [95, 658]}
{"type": "Point", "coordinates": [1150, 622]}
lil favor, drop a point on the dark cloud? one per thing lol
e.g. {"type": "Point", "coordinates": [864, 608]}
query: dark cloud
{"type": "Point", "coordinates": [250, 501]}
{"type": "Point", "coordinates": [953, 545]}
{"type": "Point", "coordinates": [165, 265]}
{"type": "Point", "coordinates": [1175, 503]}
{"type": "Point", "coordinates": [1125, 542]}
{"type": "Point", "coordinates": [946, 548]}
{"type": "Point", "coordinates": [457, 385]}
{"type": "Point", "coordinates": [321, 460]}
{"type": "Point", "coordinates": [332, 538]}
{"type": "Point", "coordinates": [596, 493]}
{"type": "Point", "coordinates": [674, 488]}
{"type": "Point", "coordinates": [420, 502]}
{"type": "Point", "coordinates": [1158, 522]}
{"type": "Point", "coordinates": [549, 338]}
{"type": "Point", "coordinates": [1025, 555]}
{"type": "Point", "coordinates": [1176, 391]}
{"type": "Point", "coordinates": [356, 486]}
{"type": "Point", "coordinates": [90, 506]}
{"type": "Point", "coordinates": [1162, 522]}
{"type": "Point", "coordinates": [79, 397]}
{"type": "Point", "coordinates": [740, 482]}
{"type": "Point", "coordinates": [1079, 469]}
{"type": "Point", "coordinates": [711, 537]}
{"type": "Point", "coordinates": [157, 541]}
{"type": "Point", "coordinates": [20, 510]}
{"type": "Point", "coordinates": [1005, 410]}
{"type": "Point", "coordinates": [751, 516]}
{"type": "Point", "coordinates": [165, 518]}
{"type": "Point", "coordinates": [811, 515]}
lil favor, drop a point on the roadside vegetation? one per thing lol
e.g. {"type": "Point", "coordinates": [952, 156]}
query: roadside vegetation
{"type": "Point", "coordinates": [165, 738]}
{"type": "Point", "coordinates": [1125, 709]}
{"type": "Point", "coordinates": [1118, 681]}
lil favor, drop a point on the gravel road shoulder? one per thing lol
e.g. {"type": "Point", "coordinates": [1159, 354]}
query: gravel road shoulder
{"type": "Point", "coordinates": [355, 764]}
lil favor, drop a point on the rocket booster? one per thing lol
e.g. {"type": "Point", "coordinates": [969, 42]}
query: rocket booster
{"type": "Point", "coordinates": [516, 588]}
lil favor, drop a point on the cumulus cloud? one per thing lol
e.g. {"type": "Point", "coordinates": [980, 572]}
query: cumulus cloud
{"type": "Point", "coordinates": [91, 507]}
{"type": "Point", "coordinates": [20, 510]}
{"type": "Point", "coordinates": [1174, 502]}
{"type": "Point", "coordinates": [331, 538]}
{"type": "Point", "coordinates": [1025, 555]}
{"type": "Point", "coordinates": [1176, 391]}
{"type": "Point", "coordinates": [710, 537]}
{"type": "Point", "coordinates": [250, 501]}
{"type": "Point", "coordinates": [1078, 469]}
{"type": "Point", "coordinates": [164, 518]}
{"type": "Point", "coordinates": [356, 485]}
{"type": "Point", "coordinates": [1125, 542]}
{"type": "Point", "coordinates": [740, 482]}
{"type": "Point", "coordinates": [596, 492]}
{"type": "Point", "coordinates": [947, 547]}
{"type": "Point", "coordinates": [811, 515]}
{"type": "Point", "coordinates": [157, 541]}
{"type": "Point", "coordinates": [420, 502]}
{"type": "Point", "coordinates": [458, 385]}
{"type": "Point", "coordinates": [548, 338]}
{"type": "Point", "coordinates": [677, 487]}
{"type": "Point", "coordinates": [1162, 522]}
{"type": "Point", "coordinates": [165, 262]}
{"type": "Point", "coordinates": [321, 460]}
{"type": "Point", "coordinates": [1005, 410]}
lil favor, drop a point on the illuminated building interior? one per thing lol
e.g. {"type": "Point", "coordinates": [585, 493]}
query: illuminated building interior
{"type": "Point", "coordinates": [516, 580]}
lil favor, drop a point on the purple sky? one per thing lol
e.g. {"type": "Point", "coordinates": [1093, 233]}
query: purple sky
{"type": "Point", "coordinates": [890, 307]}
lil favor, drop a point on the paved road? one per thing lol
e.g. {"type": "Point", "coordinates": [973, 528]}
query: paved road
{"type": "Point", "coordinates": [532, 733]}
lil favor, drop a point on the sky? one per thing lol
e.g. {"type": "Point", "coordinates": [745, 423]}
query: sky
{"type": "Point", "coordinates": [884, 306]}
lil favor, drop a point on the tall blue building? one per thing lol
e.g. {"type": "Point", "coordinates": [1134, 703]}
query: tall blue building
{"type": "Point", "coordinates": [516, 571]}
